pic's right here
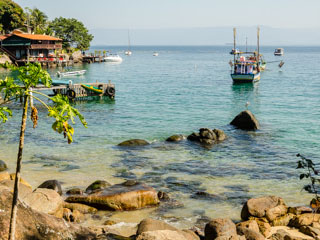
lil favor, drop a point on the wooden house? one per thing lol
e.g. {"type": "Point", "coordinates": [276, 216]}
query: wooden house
{"type": "Point", "coordinates": [22, 47]}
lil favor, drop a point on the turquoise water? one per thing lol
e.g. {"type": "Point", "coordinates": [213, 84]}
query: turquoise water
{"type": "Point", "coordinates": [178, 92]}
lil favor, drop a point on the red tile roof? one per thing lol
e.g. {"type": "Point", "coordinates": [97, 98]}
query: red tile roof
{"type": "Point", "coordinates": [37, 37]}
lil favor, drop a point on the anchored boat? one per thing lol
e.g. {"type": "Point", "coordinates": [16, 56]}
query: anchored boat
{"type": "Point", "coordinates": [246, 66]}
{"type": "Point", "coordinates": [71, 73]}
{"type": "Point", "coordinates": [279, 52]}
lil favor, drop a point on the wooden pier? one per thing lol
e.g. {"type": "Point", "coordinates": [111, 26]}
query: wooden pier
{"type": "Point", "coordinates": [77, 92]}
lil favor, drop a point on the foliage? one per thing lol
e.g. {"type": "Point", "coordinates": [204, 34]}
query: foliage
{"type": "Point", "coordinates": [29, 77]}
{"type": "Point", "coordinates": [11, 15]}
{"type": "Point", "coordinates": [37, 20]}
{"type": "Point", "coordinates": [312, 174]}
{"type": "Point", "coordinates": [72, 31]}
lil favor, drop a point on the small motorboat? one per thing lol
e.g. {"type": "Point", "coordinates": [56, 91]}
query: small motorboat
{"type": "Point", "coordinates": [71, 73]}
{"type": "Point", "coordinates": [155, 54]}
{"type": "Point", "coordinates": [92, 88]}
{"type": "Point", "coordinates": [113, 58]}
{"type": "Point", "coordinates": [128, 52]}
{"type": "Point", "coordinates": [279, 52]}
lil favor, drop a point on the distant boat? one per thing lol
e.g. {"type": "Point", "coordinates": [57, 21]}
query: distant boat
{"type": "Point", "coordinates": [279, 52]}
{"type": "Point", "coordinates": [113, 58]}
{"type": "Point", "coordinates": [155, 54]}
{"type": "Point", "coordinates": [128, 52]}
{"type": "Point", "coordinates": [246, 69]}
{"type": "Point", "coordinates": [235, 51]}
{"type": "Point", "coordinates": [71, 73]}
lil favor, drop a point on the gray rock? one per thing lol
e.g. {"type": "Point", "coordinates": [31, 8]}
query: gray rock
{"type": "Point", "coordinates": [220, 134]}
{"type": "Point", "coordinates": [194, 137]}
{"type": "Point", "coordinates": [74, 191]}
{"type": "Point", "coordinates": [175, 138]}
{"type": "Point", "coordinates": [207, 133]}
{"type": "Point", "coordinates": [246, 121]}
{"type": "Point", "coordinates": [52, 184]}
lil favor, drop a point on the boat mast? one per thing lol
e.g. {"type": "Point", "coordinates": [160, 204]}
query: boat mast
{"type": "Point", "coordinates": [128, 40]}
{"type": "Point", "coordinates": [258, 45]}
{"type": "Point", "coordinates": [234, 47]}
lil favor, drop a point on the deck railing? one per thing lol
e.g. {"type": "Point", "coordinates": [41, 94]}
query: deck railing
{"type": "Point", "coordinates": [45, 46]}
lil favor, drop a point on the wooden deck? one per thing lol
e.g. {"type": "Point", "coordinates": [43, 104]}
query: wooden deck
{"type": "Point", "coordinates": [77, 92]}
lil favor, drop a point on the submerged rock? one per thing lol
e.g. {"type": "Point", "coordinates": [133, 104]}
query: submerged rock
{"type": "Point", "coordinates": [133, 143]}
{"type": "Point", "coordinates": [207, 137]}
{"type": "Point", "coordinates": [97, 186]}
{"type": "Point", "coordinates": [3, 166]}
{"type": "Point", "coordinates": [119, 197]}
{"type": "Point", "coordinates": [246, 121]}
{"type": "Point", "coordinates": [52, 184]}
{"type": "Point", "coordinates": [176, 138]}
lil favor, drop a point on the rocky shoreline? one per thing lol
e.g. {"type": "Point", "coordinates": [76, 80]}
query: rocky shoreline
{"type": "Point", "coordinates": [50, 212]}
{"type": "Point", "coordinates": [47, 213]}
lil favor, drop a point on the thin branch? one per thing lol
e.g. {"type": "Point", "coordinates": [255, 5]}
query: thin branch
{"type": "Point", "coordinates": [41, 101]}
{"type": "Point", "coordinates": [42, 94]}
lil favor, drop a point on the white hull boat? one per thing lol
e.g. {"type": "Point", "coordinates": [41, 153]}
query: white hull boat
{"type": "Point", "coordinates": [113, 58]}
{"type": "Point", "coordinates": [71, 73]}
{"type": "Point", "coordinates": [155, 54]}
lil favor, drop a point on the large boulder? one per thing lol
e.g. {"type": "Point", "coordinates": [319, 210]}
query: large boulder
{"type": "Point", "coordinates": [159, 230]}
{"type": "Point", "coordinates": [119, 197]}
{"type": "Point", "coordinates": [52, 184]}
{"type": "Point", "coordinates": [23, 189]}
{"type": "Point", "coordinates": [161, 235]}
{"type": "Point", "coordinates": [246, 121]}
{"type": "Point", "coordinates": [220, 227]}
{"type": "Point", "coordinates": [3, 166]}
{"type": "Point", "coordinates": [133, 143]}
{"type": "Point", "coordinates": [270, 207]}
{"type": "Point", "coordinates": [45, 200]}
{"type": "Point", "coordinates": [31, 224]}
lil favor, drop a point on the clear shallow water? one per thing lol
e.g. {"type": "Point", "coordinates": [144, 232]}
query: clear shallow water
{"type": "Point", "coordinates": [180, 91]}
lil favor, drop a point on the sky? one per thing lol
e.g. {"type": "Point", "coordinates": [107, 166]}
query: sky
{"type": "Point", "coordinates": [153, 22]}
{"type": "Point", "coordinates": [144, 14]}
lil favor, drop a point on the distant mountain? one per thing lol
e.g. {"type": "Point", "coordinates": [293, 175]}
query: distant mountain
{"type": "Point", "coordinates": [206, 36]}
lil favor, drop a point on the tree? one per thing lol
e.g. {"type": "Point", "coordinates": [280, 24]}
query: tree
{"type": "Point", "coordinates": [30, 76]}
{"type": "Point", "coordinates": [72, 31]}
{"type": "Point", "coordinates": [11, 15]}
{"type": "Point", "coordinates": [37, 20]}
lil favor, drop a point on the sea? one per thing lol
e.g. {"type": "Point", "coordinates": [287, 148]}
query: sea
{"type": "Point", "coordinates": [183, 89]}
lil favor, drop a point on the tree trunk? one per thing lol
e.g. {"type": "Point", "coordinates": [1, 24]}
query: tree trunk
{"type": "Point", "coordinates": [17, 178]}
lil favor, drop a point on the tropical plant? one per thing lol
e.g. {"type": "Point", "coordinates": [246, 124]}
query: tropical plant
{"type": "Point", "coordinates": [72, 31]}
{"type": "Point", "coordinates": [312, 174]}
{"type": "Point", "coordinates": [29, 77]}
{"type": "Point", "coordinates": [11, 15]}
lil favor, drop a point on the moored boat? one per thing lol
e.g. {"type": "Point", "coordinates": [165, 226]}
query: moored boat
{"type": "Point", "coordinates": [246, 66]}
{"type": "Point", "coordinates": [71, 73]}
{"type": "Point", "coordinates": [279, 52]}
{"type": "Point", "coordinates": [155, 54]}
{"type": "Point", "coordinates": [92, 88]}
{"type": "Point", "coordinates": [113, 58]}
